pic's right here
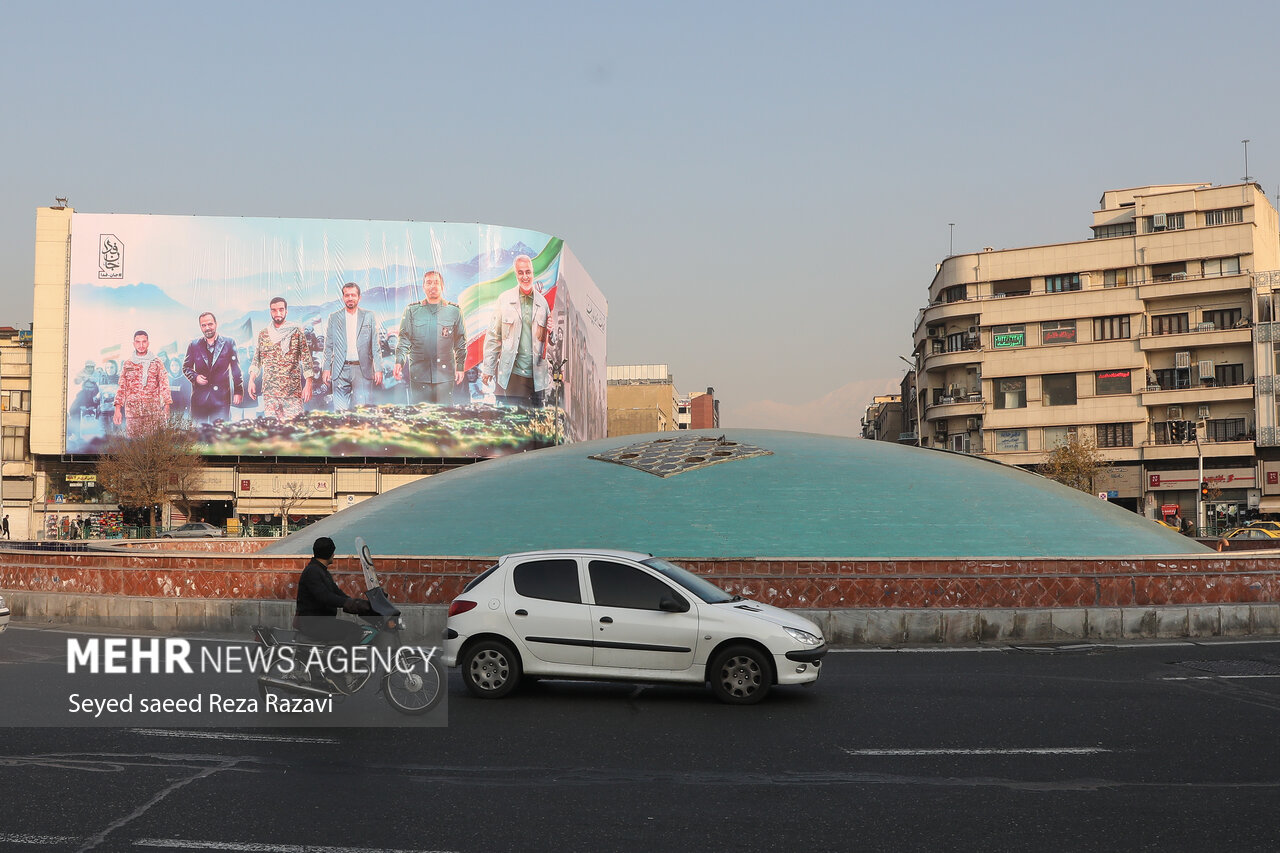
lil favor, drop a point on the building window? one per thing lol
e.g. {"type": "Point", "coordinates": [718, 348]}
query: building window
{"type": "Point", "coordinates": [1226, 216]}
{"type": "Point", "coordinates": [1058, 389]}
{"type": "Point", "coordinates": [15, 401]}
{"type": "Point", "coordinates": [1169, 324]}
{"type": "Point", "coordinates": [1225, 429]}
{"type": "Point", "coordinates": [955, 293]}
{"type": "Point", "coordinates": [1121, 229]}
{"type": "Point", "coordinates": [1113, 382]}
{"type": "Point", "coordinates": [1115, 278]}
{"type": "Point", "coordinates": [1010, 440]}
{"type": "Point", "coordinates": [1171, 378]}
{"type": "Point", "coordinates": [1061, 283]}
{"type": "Point", "coordinates": [14, 444]}
{"type": "Point", "coordinates": [1224, 318]}
{"type": "Point", "coordinates": [1058, 436]}
{"type": "Point", "coordinates": [1164, 222]}
{"type": "Point", "coordinates": [961, 341]}
{"type": "Point", "coordinates": [1004, 337]}
{"type": "Point", "coordinates": [1058, 332]}
{"type": "Point", "coordinates": [1176, 271]}
{"type": "Point", "coordinates": [1011, 287]}
{"type": "Point", "coordinates": [1115, 435]}
{"type": "Point", "coordinates": [1111, 328]}
{"type": "Point", "coordinates": [1228, 374]}
{"type": "Point", "coordinates": [1221, 266]}
{"type": "Point", "coordinates": [1011, 392]}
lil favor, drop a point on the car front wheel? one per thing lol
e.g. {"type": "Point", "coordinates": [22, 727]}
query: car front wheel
{"type": "Point", "coordinates": [490, 669]}
{"type": "Point", "coordinates": [740, 676]}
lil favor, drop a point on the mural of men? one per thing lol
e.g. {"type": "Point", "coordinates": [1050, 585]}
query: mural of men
{"type": "Point", "coordinates": [432, 345]}
{"type": "Point", "coordinates": [143, 397]}
{"type": "Point", "coordinates": [213, 367]}
{"type": "Point", "coordinates": [516, 342]}
{"type": "Point", "coordinates": [283, 360]}
{"type": "Point", "coordinates": [350, 359]}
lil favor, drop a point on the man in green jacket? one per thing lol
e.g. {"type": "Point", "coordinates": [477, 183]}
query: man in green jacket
{"type": "Point", "coordinates": [432, 349]}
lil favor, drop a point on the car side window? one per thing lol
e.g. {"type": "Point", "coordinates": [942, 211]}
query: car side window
{"type": "Point", "coordinates": [619, 585]}
{"type": "Point", "coordinates": [554, 580]}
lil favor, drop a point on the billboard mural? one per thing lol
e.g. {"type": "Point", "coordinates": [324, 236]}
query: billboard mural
{"type": "Point", "coordinates": [299, 337]}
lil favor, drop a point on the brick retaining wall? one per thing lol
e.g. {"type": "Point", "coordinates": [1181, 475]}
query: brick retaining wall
{"type": "Point", "coordinates": [824, 584]}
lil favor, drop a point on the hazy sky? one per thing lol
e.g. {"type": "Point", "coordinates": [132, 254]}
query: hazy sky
{"type": "Point", "coordinates": [761, 191]}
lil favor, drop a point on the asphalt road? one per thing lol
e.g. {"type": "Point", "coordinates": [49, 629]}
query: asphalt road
{"type": "Point", "coordinates": [1164, 747]}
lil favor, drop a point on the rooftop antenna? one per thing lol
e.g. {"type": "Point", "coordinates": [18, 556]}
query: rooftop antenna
{"type": "Point", "coordinates": [951, 246]}
{"type": "Point", "coordinates": [1248, 179]}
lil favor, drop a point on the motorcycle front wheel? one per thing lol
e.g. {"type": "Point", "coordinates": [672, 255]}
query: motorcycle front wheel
{"type": "Point", "coordinates": [415, 685]}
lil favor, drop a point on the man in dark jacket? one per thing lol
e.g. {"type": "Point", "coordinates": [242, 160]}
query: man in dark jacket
{"type": "Point", "coordinates": [319, 598]}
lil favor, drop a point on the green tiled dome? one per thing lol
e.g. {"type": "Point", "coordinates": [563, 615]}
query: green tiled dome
{"type": "Point", "coordinates": [776, 494]}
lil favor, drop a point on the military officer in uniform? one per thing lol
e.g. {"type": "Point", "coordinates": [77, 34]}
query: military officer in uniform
{"type": "Point", "coordinates": [432, 348]}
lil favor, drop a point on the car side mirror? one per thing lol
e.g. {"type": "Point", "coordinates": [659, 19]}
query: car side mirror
{"type": "Point", "coordinates": [667, 604]}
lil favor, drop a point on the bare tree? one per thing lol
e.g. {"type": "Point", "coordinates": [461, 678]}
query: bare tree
{"type": "Point", "coordinates": [1075, 463]}
{"type": "Point", "coordinates": [143, 470]}
{"type": "Point", "coordinates": [294, 494]}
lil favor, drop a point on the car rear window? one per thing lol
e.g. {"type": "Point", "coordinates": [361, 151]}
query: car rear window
{"type": "Point", "coordinates": [554, 580]}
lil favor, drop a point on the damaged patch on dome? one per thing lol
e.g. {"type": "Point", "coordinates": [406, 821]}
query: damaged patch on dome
{"type": "Point", "coordinates": [667, 457]}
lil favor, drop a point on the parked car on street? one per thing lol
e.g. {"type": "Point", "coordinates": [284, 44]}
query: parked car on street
{"type": "Point", "coordinates": [1273, 526]}
{"type": "Point", "coordinates": [1251, 533]}
{"type": "Point", "coordinates": [620, 615]}
{"type": "Point", "coordinates": [193, 530]}
{"type": "Point", "coordinates": [4, 615]}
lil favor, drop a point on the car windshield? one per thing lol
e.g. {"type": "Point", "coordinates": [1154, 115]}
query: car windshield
{"type": "Point", "coordinates": [707, 591]}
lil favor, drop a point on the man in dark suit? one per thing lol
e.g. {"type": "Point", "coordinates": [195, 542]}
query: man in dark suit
{"type": "Point", "coordinates": [350, 359]}
{"type": "Point", "coordinates": [214, 370]}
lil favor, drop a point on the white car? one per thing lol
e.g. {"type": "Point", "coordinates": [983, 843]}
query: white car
{"type": "Point", "coordinates": [619, 615]}
{"type": "Point", "coordinates": [4, 615]}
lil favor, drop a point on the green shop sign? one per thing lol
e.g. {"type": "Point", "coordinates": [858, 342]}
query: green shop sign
{"type": "Point", "coordinates": [1011, 339]}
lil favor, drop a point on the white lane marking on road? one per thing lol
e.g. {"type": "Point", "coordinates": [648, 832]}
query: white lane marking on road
{"type": "Point", "coordinates": [230, 736]}
{"type": "Point", "coordinates": [257, 847]}
{"type": "Point", "coordinates": [1212, 677]}
{"type": "Point", "coordinates": [1031, 750]}
{"type": "Point", "coordinates": [19, 838]}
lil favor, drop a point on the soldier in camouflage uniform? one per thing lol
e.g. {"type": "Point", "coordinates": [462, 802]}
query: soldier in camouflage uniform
{"type": "Point", "coordinates": [283, 360]}
{"type": "Point", "coordinates": [432, 345]}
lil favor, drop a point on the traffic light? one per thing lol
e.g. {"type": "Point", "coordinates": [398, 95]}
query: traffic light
{"type": "Point", "coordinates": [1204, 490]}
{"type": "Point", "coordinates": [1179, 434]}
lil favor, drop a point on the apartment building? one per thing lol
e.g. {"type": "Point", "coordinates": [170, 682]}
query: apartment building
{"type": "Point", "coordinates": [17, 485]}
{"type": "Point", "coordinates": [1154, 337]}
{"type": "Point", "coordinates": [883, 419]}
{"type": "Point", "coordinates": [641, 398]}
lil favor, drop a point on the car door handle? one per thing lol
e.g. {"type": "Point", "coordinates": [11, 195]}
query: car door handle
{"type": "Point", "coordinates": [606, 620]}
{"type": "Point", "coordinates": [522, 612]}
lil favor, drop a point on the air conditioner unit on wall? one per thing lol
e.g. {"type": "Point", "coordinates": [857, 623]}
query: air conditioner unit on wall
{"type": "Point", "coordinates": [1174, 413]}
{"type": "Point", "coordinates": [1182, 359]}
{"type": "Point", "coordinates": [973, 423]}
{"type": "Point", "coordinates": [1157, 221]}
{"type": "Point", "coordinates": [1206, 369]}
{"type": "Point", "coordinates": [934, 331]}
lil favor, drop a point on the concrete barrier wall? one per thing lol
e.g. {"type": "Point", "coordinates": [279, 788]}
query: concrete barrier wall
{"type": "Point", "coordinates": [424, 624]}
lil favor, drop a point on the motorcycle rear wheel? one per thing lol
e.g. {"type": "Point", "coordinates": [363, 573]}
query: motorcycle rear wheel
{"type": "Point", "coordinates": [415, 684]}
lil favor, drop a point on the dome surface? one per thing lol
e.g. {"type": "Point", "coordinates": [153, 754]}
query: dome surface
{"type": "Point", "coordinates": [811, 496]}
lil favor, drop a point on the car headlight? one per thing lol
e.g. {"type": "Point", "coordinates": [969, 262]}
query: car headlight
{"type": "Point", "coordinates": [803, 637]}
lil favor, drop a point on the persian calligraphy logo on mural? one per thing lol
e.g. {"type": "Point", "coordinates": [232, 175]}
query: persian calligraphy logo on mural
{"type": "Point", "coordinates": [110, 257]}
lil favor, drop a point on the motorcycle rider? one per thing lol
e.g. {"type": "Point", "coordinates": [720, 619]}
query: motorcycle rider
{"type": "Point", "coordinates": [319, 598]}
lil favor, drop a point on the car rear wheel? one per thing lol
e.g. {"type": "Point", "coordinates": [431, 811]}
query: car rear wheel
{"type": "Point", "coordinates": [490, 669]}
{"type": "Point", "coordinates": [740, 676]}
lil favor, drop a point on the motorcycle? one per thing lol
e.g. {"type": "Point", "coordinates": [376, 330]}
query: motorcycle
{"type": "Point", "coordinates": [414, 684]}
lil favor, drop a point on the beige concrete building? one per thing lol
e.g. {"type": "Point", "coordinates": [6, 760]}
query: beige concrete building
{"type": "Point", "coordinates": [642, 398]}
{"type": "Point", "coordinates": [883, 419]}
{"type": "Point", "coordinates": [1155, 338]}
{"type": "Point", "coordinates": [17, 487]}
